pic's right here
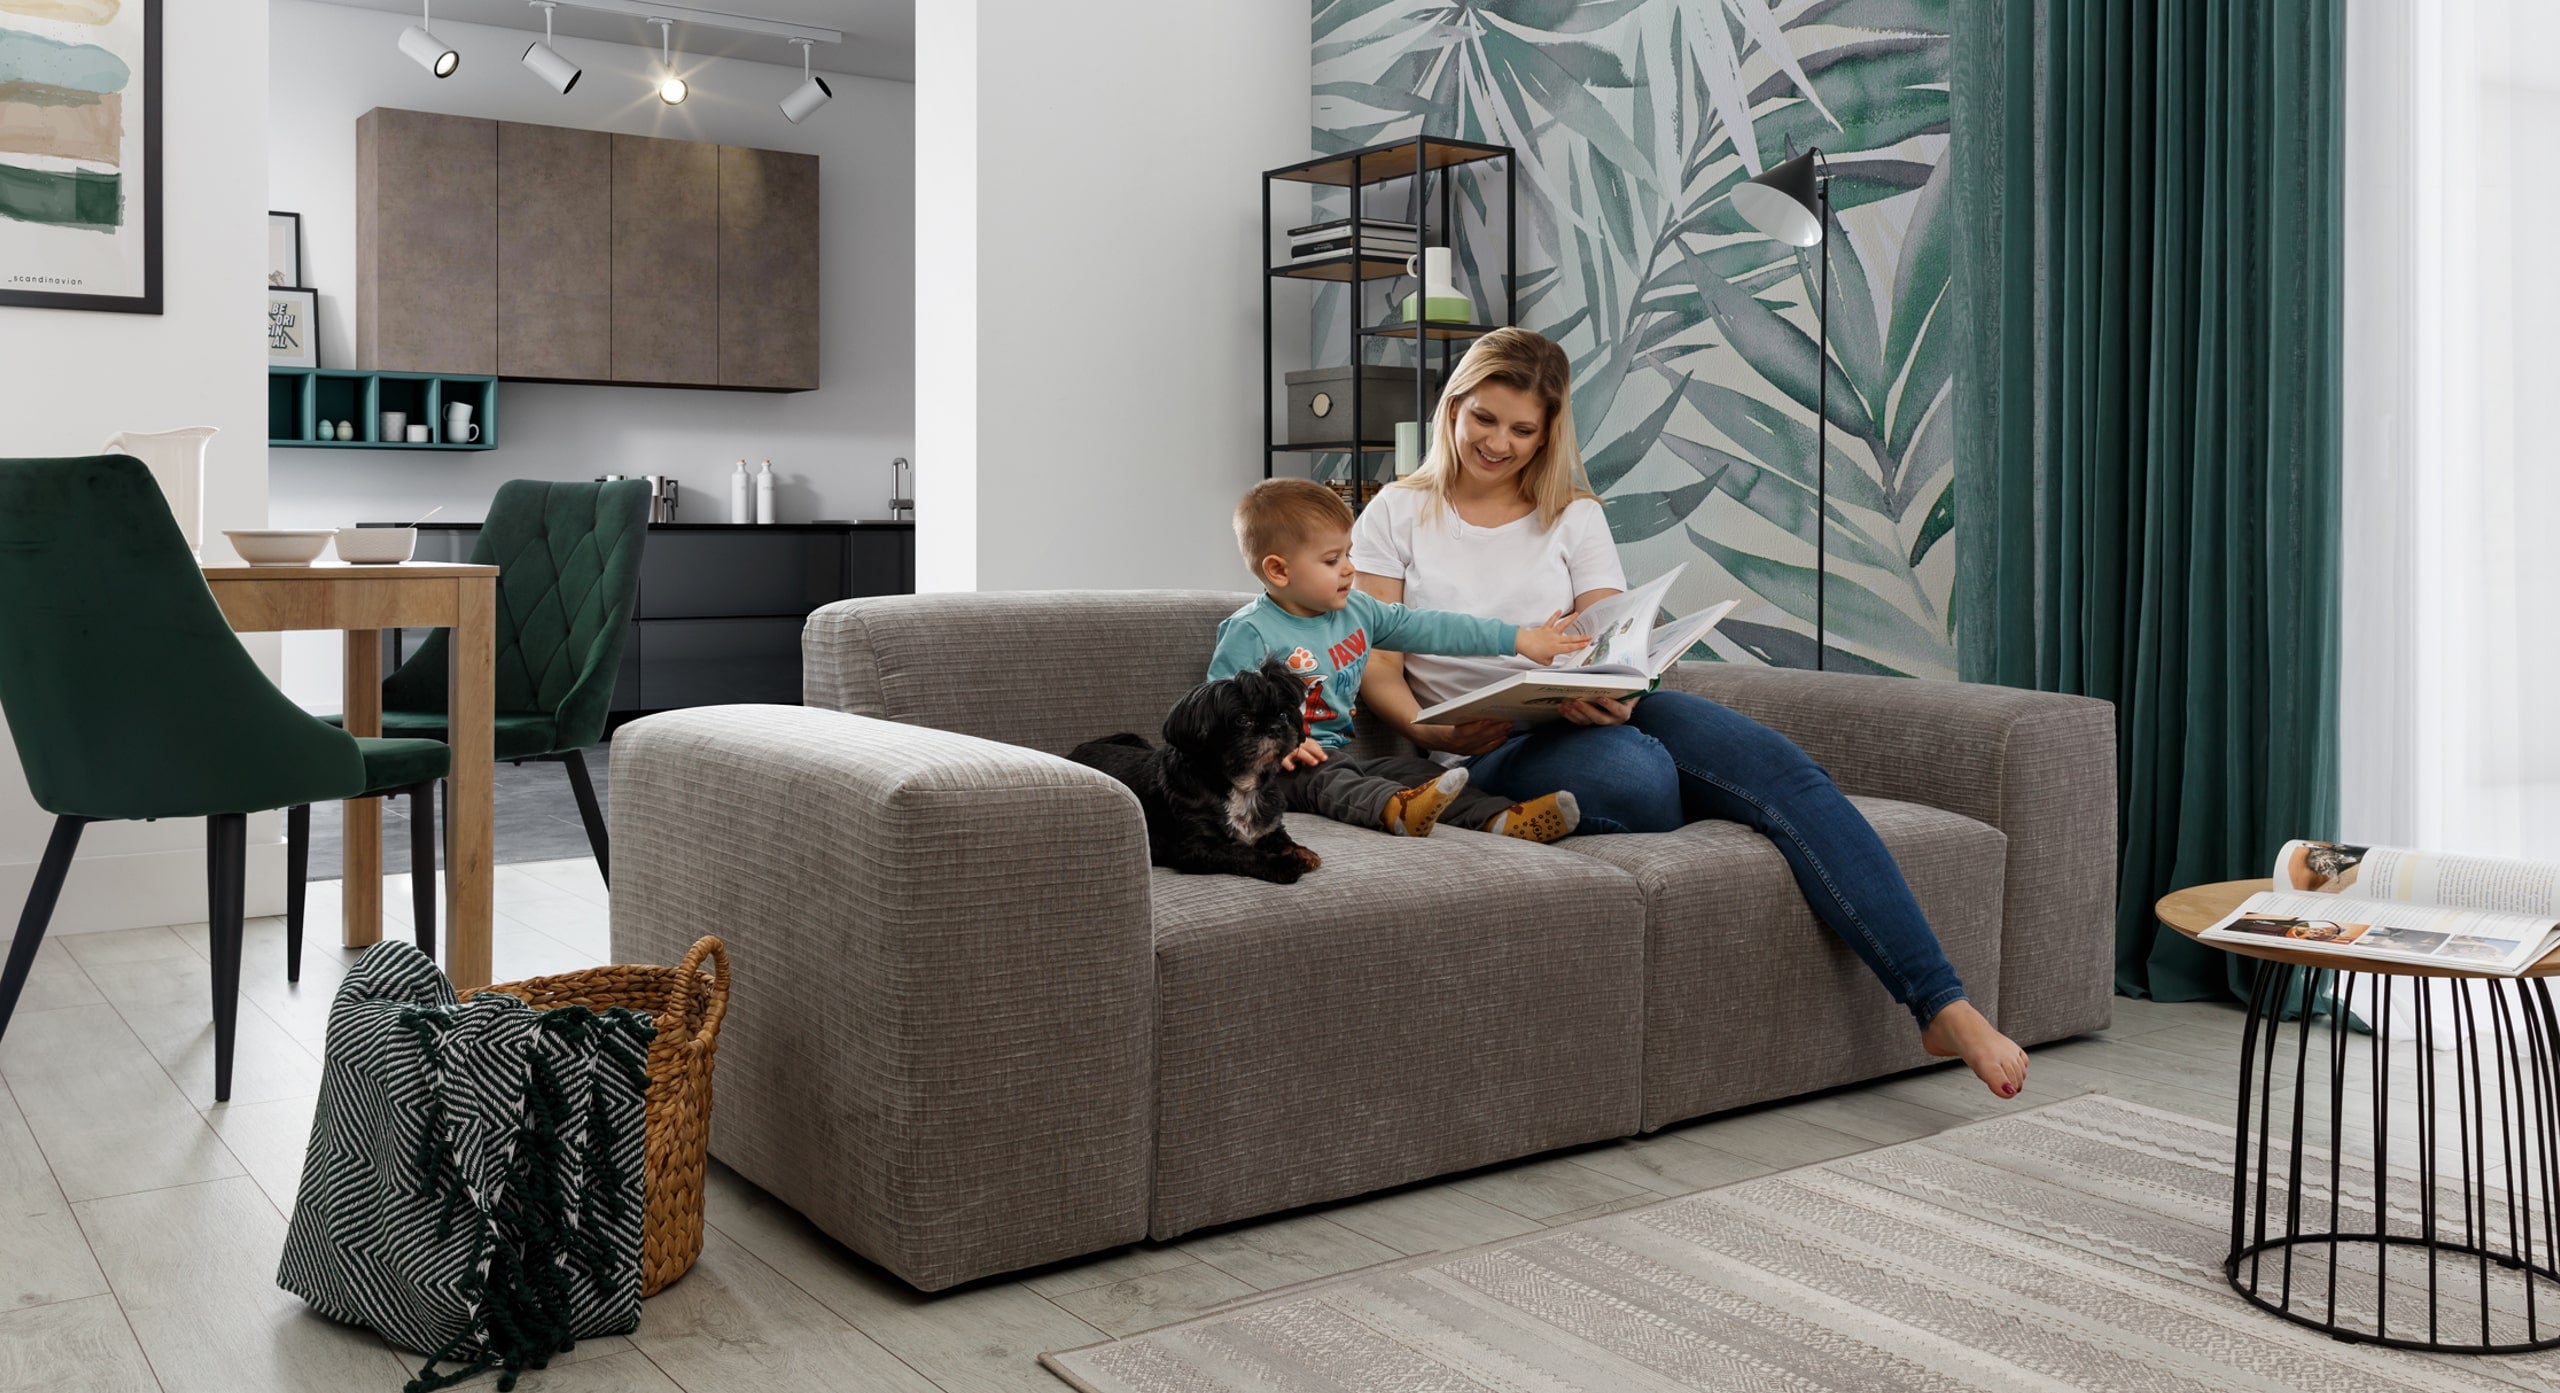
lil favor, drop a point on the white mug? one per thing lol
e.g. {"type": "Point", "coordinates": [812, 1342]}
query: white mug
{"type": "Point", "coordinates": [418, 435]}
{"type": "Point", "coordinates": [458, 429]}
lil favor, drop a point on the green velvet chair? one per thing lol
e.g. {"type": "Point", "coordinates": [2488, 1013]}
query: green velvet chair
{"type": "Point", "coordinates": [129, 697]}
{"type": "Point", "coordinates": [568, 559]}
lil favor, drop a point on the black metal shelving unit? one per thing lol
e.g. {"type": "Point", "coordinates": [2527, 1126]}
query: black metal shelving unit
{"type": "Point", "coordinates": [1360, 171]}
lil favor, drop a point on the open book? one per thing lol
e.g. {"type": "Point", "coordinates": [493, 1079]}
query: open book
{"type": "Point", "coordinates": [1627, 656]}
{"type": "Point", "coordinates": [2472, 913]}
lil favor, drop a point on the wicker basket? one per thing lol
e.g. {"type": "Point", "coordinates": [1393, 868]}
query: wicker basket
{"type": "Point", "coordinates": [687, 1007]}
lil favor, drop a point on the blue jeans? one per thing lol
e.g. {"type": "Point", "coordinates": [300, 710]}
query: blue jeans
{"type": "Point", "coordinates": [1685, 758]}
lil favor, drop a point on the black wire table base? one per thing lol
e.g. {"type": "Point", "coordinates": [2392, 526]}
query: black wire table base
{"type": "Point", "coordinates": [2428, 1221]}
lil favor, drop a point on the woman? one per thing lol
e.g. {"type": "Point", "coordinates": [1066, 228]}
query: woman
{"type": "Point", "coordinates": [1500, 521]}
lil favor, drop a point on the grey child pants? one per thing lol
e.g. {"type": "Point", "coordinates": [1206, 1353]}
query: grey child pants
{"type": "Point", "coordinates": [1356, 791]}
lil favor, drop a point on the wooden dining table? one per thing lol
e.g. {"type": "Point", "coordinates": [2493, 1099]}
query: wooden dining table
{"type": "Point", "coordinates": [361, 601]}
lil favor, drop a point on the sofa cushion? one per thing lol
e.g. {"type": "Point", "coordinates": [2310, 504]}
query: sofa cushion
{"type": "Point", "coordinates": [1748, 997]}
{"type": "Point", "coordinates": [1411, 1008]}
{"type": "Point", "coordinates": [1046, 669]}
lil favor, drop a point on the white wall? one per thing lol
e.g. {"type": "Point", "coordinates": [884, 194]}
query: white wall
{"type": "Point", "coordinates": [70, 380]}
{"type": "Point", "coordinates": [1090, 205]}
{"type": "Point", "coordinates": [831, 447]}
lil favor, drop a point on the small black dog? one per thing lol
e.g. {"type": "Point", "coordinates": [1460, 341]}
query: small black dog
{"type": "Point", "coordinates": [1212, 794]}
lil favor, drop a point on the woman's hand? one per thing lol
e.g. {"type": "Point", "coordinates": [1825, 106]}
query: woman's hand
{"type": "Point", "coordinates": [1544, 643]}
{"type": "Point", "coordinates": [1598, 711]}
{"type": "Point", "coordinates": [1472, 738]}
{"type": "Point", "coordinates": [1308, 755]}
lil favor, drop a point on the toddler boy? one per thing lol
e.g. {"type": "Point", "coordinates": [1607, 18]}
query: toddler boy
{"type": "Point", "coordinates": [1296, 535]}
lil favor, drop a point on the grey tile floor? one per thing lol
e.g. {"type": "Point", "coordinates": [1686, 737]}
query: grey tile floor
{"type": "Point", "coordinates": [140, 1221]}
{"type": "Point", "coordinates": [537, 818]}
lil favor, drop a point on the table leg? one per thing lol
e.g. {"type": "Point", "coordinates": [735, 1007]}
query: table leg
{"type": "Point", "coordinates": [471, 694]}
{"type": "Point", "coordinates": [360, 894]}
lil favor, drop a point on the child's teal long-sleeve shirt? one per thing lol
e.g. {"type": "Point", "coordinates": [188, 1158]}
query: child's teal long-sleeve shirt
{"type": "Point", "coordinates": [1328, 651]}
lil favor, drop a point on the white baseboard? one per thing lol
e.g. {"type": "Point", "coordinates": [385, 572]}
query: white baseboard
{"type": "Point", "coordinates": [137, 890]}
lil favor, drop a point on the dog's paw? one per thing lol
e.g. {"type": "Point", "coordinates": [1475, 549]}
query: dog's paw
{"type": "Point", "coordinates": [1306, 858]}
{"type": "Point", "coordinates": [1283, 870]}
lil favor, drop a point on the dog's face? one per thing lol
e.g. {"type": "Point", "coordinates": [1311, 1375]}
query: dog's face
{"type": "Point", "coordinates": [1241, 724]}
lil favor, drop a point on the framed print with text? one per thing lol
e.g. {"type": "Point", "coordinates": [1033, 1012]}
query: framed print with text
{"type": "Point", "coordinates": [80, 154]}
{"type": "Point", "coordinates": [293, 327]}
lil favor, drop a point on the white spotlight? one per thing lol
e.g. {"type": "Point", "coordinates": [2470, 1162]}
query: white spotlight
{"type": "Point", "coordinates": [671, 88]}
{"type": "Point", "coordinates": [431, 53]}
{"type": "Point", "coordinates": [812, 92]}
{"type": "Point", "coordinates": [545, 61]}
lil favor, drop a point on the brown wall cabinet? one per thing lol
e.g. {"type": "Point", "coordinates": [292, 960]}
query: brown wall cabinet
{"type": "Point", "coordinates": [426, 242]}
{"type": "Point", "coordinates": [559, 255]}
{"type": "Point", "coordinates": [555, 256]}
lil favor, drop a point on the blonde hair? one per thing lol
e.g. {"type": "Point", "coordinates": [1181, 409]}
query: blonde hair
{"type": "Point", "coordinates": [1525, 362]}
{"type": "Point", "coordinates": [1277, 514]}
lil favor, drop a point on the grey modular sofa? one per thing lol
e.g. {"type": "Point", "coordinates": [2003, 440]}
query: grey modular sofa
{"type": "Point", "coordinates": [972, 1031]}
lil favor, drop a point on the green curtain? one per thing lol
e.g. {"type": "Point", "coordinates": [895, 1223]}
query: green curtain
{"type": "Point", "coordinates": [2151, 428]}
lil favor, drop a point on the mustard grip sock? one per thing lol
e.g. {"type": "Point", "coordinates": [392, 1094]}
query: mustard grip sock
{"type": "Point", "coordinates": [1414, 812]}
{"type": "Point", "coordinates": [1548, 819]}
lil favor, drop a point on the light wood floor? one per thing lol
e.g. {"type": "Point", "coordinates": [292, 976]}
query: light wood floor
{"type": "Point", "coordinates": [140, 1222]}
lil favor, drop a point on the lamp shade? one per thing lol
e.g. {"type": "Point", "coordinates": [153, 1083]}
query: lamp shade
{"type": "Point", "coordinates": [431, 53]}
{"type": "Point", "coordinates": [547, 64]}
{"type": "Point", "coordinates": [1781, 203]}
{"type": "Point", "coordinates": [811, 94]}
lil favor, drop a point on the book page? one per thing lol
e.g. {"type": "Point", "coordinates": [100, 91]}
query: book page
{"type": "Point", "coordinates": [1533, 696]}
{"type": "Point", "coordinates": [1620, 626]}
{"type": "Point", "coordinates": [2325, 922]}
{"type": "Point", "coordinates": [1675, 638]}
{"type": "Point", "coordinates": [2420, 877]}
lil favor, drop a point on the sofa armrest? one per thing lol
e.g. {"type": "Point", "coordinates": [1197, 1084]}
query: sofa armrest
{"type": "Point", "coordinates": [2039, 766]}
{"type": "Point", "coordinates": [939, 1040]}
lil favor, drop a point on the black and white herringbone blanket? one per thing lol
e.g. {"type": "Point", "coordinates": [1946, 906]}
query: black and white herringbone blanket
{"type": "Point", "coordinates": [472, 1190]}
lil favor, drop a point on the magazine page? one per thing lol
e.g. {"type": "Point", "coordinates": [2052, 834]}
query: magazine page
{"type": "Point", "coordinates": [1621, 626]}
{"type": "Point", "coordinates": [2420, 877]}
{"type": "Point", "coordinates": [2472, 940]}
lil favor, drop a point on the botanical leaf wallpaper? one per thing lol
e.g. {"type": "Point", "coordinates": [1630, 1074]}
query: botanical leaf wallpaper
{"type": "Point", "coordinates": [1692, 337]}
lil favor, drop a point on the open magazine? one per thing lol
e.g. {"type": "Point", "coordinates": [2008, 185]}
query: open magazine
{"type": "Point", "coordinates": [2473, 913]}
{"type": "Point", "coordinates": [1627, 656]}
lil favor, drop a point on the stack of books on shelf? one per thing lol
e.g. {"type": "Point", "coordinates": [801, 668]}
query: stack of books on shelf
{"type": "Point", "coordinates": [1379, 238]}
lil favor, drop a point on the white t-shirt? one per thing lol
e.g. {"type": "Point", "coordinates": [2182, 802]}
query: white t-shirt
{"type": "Point", "coordinates": [1517, 573]}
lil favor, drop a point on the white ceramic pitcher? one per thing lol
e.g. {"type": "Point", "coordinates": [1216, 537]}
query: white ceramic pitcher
{"type": "Point", "coordinates": [176, 461]}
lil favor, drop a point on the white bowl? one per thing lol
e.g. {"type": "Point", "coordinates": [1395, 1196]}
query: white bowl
{"type": "Point", "coordinates": [376, 546]}
{"type": "Point", "coordinates": [289, 547]}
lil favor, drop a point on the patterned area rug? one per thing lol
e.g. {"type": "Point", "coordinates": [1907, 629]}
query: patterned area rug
{"type": "Point", "coordinates": [2075, 1246]}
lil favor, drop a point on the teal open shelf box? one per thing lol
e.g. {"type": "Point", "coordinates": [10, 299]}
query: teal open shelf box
{"type": "Point", "coordinates": [299, 399]}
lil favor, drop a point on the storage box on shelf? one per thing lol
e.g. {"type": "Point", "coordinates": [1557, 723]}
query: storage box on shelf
{"type": "Point", "coordinates": [1359, 266]}
{"type": "Point", "coordinates": [299, 399]}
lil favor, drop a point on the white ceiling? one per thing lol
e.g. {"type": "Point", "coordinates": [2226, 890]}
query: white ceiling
{"type": "Point", "coordinates": [879, 35]}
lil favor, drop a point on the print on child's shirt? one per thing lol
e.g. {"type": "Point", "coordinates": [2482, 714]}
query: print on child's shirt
{"type": "Point", "coordinates": [1349, 656]}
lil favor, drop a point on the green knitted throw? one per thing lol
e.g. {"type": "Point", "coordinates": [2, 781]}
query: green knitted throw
{"type": "Point", "coordinates": [473, 1190]}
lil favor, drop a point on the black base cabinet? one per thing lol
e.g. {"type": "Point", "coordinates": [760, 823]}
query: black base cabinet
{"type": "Point", "coordinates": [722, 606]}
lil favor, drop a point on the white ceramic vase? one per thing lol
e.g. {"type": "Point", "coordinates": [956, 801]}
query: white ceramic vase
{"type": "Point", "coordinates": [176, 461]}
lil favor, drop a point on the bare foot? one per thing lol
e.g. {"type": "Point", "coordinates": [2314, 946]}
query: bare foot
{"type": "Point", "coordinates": [1961, 1032]}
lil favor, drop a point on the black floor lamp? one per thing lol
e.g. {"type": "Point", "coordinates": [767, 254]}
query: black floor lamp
{"type": "Point", "coordinates": [1791, 203]}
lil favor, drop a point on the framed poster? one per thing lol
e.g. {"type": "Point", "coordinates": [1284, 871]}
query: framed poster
{"type": "Point", "coordinates": [80, 154]}
{"type": "Point", "coordinates": [284, 245]}
{"type": "Point", "coordinates": [293, 327]}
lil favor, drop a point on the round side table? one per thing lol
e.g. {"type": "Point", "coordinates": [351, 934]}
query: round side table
{"type": "Point", "coordinates": [2450, 1245]}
